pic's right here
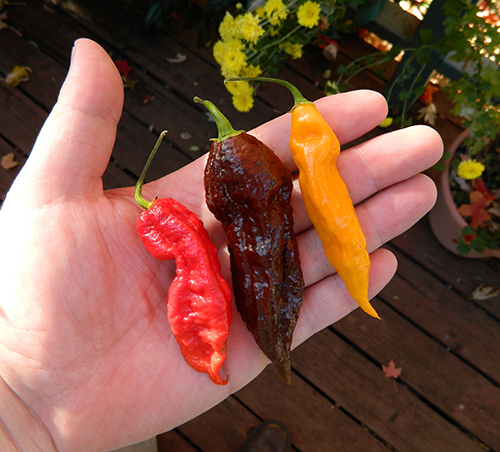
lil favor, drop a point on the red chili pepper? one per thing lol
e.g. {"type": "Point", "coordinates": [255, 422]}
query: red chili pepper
{"type": "Point", "coordinates": [199, 298]}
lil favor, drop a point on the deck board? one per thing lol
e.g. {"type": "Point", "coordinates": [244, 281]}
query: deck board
{"type": "Point", "coordinates": [447, 397]}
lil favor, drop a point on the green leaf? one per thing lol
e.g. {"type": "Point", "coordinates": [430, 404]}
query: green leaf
{"type": "Point", "coordinates": [404, 95]}
{"type": "Point", "coordinates": [425, 36]}
{"type": "Point", "coordinates": [342, 69]}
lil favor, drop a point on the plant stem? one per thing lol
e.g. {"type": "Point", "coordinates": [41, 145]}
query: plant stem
{"type": "Point", "coordinates": [140, 182]}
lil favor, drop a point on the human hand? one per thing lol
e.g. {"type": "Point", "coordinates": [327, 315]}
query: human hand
{"type": "Point", "coordinates": [85, 344]}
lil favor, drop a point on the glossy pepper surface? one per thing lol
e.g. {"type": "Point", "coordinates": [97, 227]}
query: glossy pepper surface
{"type": "Point", "coordinates": [248, 189]}
{"type": "Point", "coordinates": [199, 298]}
{"type": "Point", "coordinates": [315, 148]}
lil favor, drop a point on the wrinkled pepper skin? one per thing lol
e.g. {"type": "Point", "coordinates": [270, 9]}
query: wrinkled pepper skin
{"type": "Point", "coordinates": [199, 298]}
{"type": "Point", "coordinates": [248, 189]}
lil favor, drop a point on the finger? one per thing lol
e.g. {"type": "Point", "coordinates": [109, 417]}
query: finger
{"type": "Point", "coordinates": [328, 301]}
{"type": "Point", "coordinates": [383, 217]}
{"type": "Point", "coordinates": [350, 115]}
{"type": "Point", "coordinates": [75, 143]}
{"type": "Point", "coordinates": [388, 159]}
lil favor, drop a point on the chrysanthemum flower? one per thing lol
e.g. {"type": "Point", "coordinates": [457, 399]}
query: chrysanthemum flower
{"type": "Point", "coordinates": [308, 14]}
{"type": "Point", "coordinates": [251, 71]}
{"type": "Point", "coordinates": [218, 51]}
{"type": "Point", "coordinates": [470, 169]}
{"type": "Point", "coordinates": [249, 28]}
{"type": "Point", "coordinates": [243, 102]}
{"type": "Point", "coordinates": [275, 11]}
{"type": "Point", "coordinates": [294, 50]}
{"type": "Point", "coordinates": [242, 95]}
{"type": "Point", "coordinates": [228, 28]}
{"type": "Point", "coordinates": [234, 62]}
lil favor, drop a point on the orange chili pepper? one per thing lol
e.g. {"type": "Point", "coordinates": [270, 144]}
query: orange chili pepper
{"type": "Point", "coordinates": [315, 148]}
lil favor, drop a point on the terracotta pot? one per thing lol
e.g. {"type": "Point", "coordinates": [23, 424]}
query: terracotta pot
{"type": "Point", "coordinates": [446, 223]}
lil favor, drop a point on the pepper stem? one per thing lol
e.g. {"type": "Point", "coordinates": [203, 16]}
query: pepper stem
{"type": "Point", "coordinates": [224, 127]}
{"type": "Point", "coordinates": [298, 98]}
{"type": "Point", "coordinates": [140, 182]}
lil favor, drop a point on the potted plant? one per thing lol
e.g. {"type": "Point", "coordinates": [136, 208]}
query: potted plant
{"type": "Point", "coordinates": [470, 183]}
{"type": "Point", "coordinates": [466, 217]}
{"type": "Point", "coordinates": [471, 178]}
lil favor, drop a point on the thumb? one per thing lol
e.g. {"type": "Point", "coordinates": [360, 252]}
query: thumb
{"type": "Point", "coordinates": [74, 146]}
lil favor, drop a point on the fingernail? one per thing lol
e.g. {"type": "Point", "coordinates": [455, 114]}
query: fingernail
{"type": "Point", "coordinates": [74, 49]}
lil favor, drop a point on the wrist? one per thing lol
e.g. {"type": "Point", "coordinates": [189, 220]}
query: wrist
{"type": "Point", "coordinates": [20, 429]}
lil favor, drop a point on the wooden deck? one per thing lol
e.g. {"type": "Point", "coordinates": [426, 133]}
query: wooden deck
{"type": "Point", "coordinates": [447, 397]}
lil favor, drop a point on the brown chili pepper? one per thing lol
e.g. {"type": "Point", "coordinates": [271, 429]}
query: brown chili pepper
{"type": "Point", "coordinates": [199, 298]}
{"type": "Point", "coordinates": [248, 189]}
{"type": "Point", "coordinates": [315, 148]}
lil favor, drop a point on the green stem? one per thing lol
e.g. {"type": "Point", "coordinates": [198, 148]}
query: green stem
{"type": "Point", "coordinates": [138, 187]}
{"type": "Point", "coordinates": [282, 39]}
{"type": "Point", "coordinates": [298, 98]}
{"type": "Point", "coordinates": [224, 127]}
{"type": "Point", "coordinates": [405, 104]}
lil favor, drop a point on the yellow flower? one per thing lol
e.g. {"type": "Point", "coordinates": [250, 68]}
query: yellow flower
{"type": "Point", "coordinates": [386, 122]}
{"type": "Point", "coordinates": [251, 71]}
{"type": "Point", "coordinates": [238, 88]}
{"type": "Point", "coordinates": [218, 51]}
{"type": "Point", "coordinates": [228, 28]}
{"type": "Point", "coordinates": [233, 61]}
{"type": "Point", "coordinates": [243, 102]}
{"type": "Point", "coordinates": [261, 12]}
{"type": "Point", "coordinates": [242, 95]}
{"type": "Point", "coordinates": [470, 169]}
{"type": "Point", "coordinates": [275, 11]}
{"type": "Point", "coordinates": [249, 28]}
{"type": "Point", "coordinates": [308, 14]}
{"type": "Point", "coordinates": [295, 50]}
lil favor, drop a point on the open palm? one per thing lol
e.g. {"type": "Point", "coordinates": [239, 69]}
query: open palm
{"type": "Point", "coordinates": [84, 338]}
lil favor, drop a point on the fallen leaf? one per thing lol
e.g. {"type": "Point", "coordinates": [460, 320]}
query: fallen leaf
{"type": "Point", "coordinates": [19, 74]}
{"type": "Point", "coordinates": [147, 99]}
{"type": "Point", "coordinates": [330, 51]}
{"type": "Point", "coordinates": [129, 82]}
{"type": "Point", "coordinates": [391, 371]}
{"type": "Point", "coordinates": [428, 114]}
{"type": "Point", "coordinates": [483, 293]}
{"type": "Point", "coordinates": [123, 67]}
{"type": "Point", "coordinates": [179, 58]}
{"type": "Point", "coordinates": [8, 161]}
{"type": "Point", "coordinates": [386, 122]}
{"type": "Point", "coordinates": [476, 209]}
{"type": "Point", "coordinates": [76, 8]}
{"type": "Point", "coordinates": [480, 187]}
{"type": "Point", "coordinates": [3, 16]}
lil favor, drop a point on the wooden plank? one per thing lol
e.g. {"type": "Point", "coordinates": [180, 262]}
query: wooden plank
{"type": "Point", "coordinates": [173, 442]}
{"type": "Point", "coordinates": [429, 369]}
{"type": "Point", "coordinates": [315, 422]}
{"type": "Point", "coordinates": [166, 111]}
{"type": "Point", "coordinates": [21, 118]}
{"type": "Point", "coordinates": [452, 319]}
{"type": "Point", "coordinates": [133, 146]}
{"type": "Point", "coordinates": [385, 406]}
{"type": "Point", "coordinates": [46, 77]}
{"type": "Point", "coordinates": [461, 273]}
{"type": "Point", "coordinates": [117, 30]}
{"type": "Point", "coordinates": [221, 429]}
